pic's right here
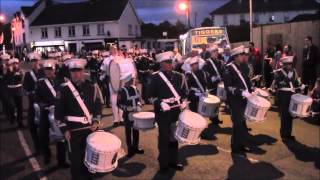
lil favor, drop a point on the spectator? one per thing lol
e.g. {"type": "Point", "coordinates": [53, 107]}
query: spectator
{"type": "Point", "coordinates": [204, 54]}
{"type": "Point", "coordinates": [310, 62]}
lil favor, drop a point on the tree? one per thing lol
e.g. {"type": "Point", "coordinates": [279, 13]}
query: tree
{"type": "Point", "coordinates": [207, 22]}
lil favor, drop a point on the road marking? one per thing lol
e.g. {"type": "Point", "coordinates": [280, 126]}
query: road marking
{"type": "Point", "coordinates": [33, 161]}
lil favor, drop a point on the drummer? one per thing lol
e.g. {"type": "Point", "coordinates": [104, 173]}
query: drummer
{"type": "Point", "coordinates": [238, 87]}
{"type": "Point", "coordinates": [197, 83]}
{"type": "Point", "coordinates": [286, 80]}
{"type": "Point", "coordinates": [167, 91]}
{"type": "Point", "coordinates": [45, 97]}
{"type": "Point", "coordinates": [214, 67]}
{"type": "Point", "coordinates": [129, 100]}
{"type": "Point", "coordinates": [78, 106]}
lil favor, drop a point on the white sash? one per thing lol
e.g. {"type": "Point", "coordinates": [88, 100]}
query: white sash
{"type": "Point", "coordinates": [76, 95]}
{"type": "Point", "coordinates": [215, 68]}
{"type": "Point", "coordinates": [240, 75]}
{"type": "Point", "coordinates": [198, 82]}
{"type": "Point", "coordinates": [174, 92]}
{"type": "Point", "coordinates": [132, 98]}
{"type": "Point", "coordinates": [49, 85]}
{"type": "Point", "coordinates": [33, 76]}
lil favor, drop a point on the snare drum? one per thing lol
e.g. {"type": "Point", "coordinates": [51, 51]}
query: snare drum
{"type": "Point", "coordinates": [102, 152]}
{"type": "Point", "coordinates": [256, 109]}
{"type": "Point", "coordinates": [221, 92]}
{"type": "Point", "coordinates": [189, 128]}
{"type": "Point", "coordinates": [209, 106]}
{"type": "Point", "coordinates": [55, 133]}
{"type": "Point", "coordinates": [142, 120]}
{"type": "Point", "coordinates": [300, 105]}
{"type": "Point", "coordinates": [262, 93]}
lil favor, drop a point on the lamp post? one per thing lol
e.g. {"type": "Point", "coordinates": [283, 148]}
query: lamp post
{"type": "Point", "coordinates": [250, 20]}
{"type": "Point", "coordinates": [13, 38]}
{"type": "Point", "coordinates": [185, 6]}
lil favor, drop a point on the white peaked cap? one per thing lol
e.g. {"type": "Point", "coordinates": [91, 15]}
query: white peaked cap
{"type": "Point", "coordinates": [34, 55]}
{"type": "Point", "coordinates": [238, 50]}
{"type": "Point", "coordinates": [76, 63]}
{"type": "Point", "coordinates": [227, 47]}
{"type": "Point", "coordinates": [50, 63]}
{"type": "Point", "coordinates": [193, 60]}
{"type": "Point", "coordinates": [5, 56]}
{"type": "Point", "coordinates": [105, 53]}
{"type": "Point", "coordinates": [126, 78]}
{"type": "Point", "coordinates": [95, 52]}
{"type": "Point", "coordinates": [165, 56]}
{"type": "Point", "coordinates": [287, 59]}
{"type": "Point", "coordinates": [13, 60]}
{"type": "Point", "coordinates": [130, 50]}
{"type": "Point", "coordinates": [66, 57]}
{"type": "Point", "coordinates": [52, 55]}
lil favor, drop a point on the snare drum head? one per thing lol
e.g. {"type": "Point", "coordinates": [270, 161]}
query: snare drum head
{"type": "Point", "coordinates": [211, 99]}
{"type": "Point", "coordinates": [114, 71]}
{"type": "Point", "coordinates": [193, 119]}
{"type": "Point", "coordinates": [103, 141]}
{"type": "Point", "coordinates": [301, 98]}
{"type": "Point", "coordinates": [143, 115]}
{"type": "Point", "coordinates": [259, 101]}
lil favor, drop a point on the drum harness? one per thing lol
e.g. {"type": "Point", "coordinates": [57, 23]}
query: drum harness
{"type": "Point", "coordinates": [290, 83]}
{"type": "Point", "coordinates": [172, 89]}
{"type": "Point", "coordinates": [132, 98]}
{"type": "Point", "coordinates": [198, 83]}
{"type": "Point", "coordinates": [239, 74]}
{"type": "Point", "coordinates": [215, 68]}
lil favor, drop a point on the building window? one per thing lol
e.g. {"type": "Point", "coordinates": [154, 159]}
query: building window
{"type": "Point", "coordinates": [136, 30]}
{"type": "Point", "coordinates": [225, 20]}
{"type": "Point", "coordinates": [72, 31]}
{"type": "Point", "coordinates": [286, 18]}
{"type": "Point", "coordinates": [44, 33]}
{"type": "Point", "coordinates": [22, 22]}
{"type": "Point", "coordinates": [154, 44]}
{"type": "Point", "coordinates": [271, 18]}
{"type": "Point", "coordinates": [57, 31]}
{"type": "Point", "coordinates": [256, 19]}
{"type": "Point", "coordinates": [159, 45]}
{"type": "Point", "coordinates": [85, 30]}
{"type": "Point", "coordinates": [130, 30]}
{"type": "Point", "coordinates": [100, 29]}
{"type": "Point", "coordinates": [242, 18]}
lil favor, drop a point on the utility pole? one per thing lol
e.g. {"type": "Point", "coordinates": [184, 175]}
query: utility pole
{"type": "Point", "coordinates": [250, 20]}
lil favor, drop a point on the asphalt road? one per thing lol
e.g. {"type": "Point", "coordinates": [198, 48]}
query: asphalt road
{"type": "Point", "coordinates": [211, 159]}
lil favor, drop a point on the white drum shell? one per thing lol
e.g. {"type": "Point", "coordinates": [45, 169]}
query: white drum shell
{"type": "Point", "coordinates": [55, 133]}
{"type": "Point", "coordinates": [300, 105]}
{"type": "Point", "coordinates": [101, 161]}
{"type": "Point", "coordinates": [256, 112]}
{"type": "Point", "coordinates": [221, 92]}
{"type": "Point", "coordinates": [187, 134]}
{"type": "Point", "coordinates": [209, 109]}
{"type": "Point", "coordinates": [142, 123]}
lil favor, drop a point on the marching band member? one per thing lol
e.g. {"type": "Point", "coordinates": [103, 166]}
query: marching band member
{"type": "Point", "coordinates": [94, 66]}
{"type": "Point", "coordinates": [13, 79]}
{"type": "Point", "coordinates": [177, 60]}
{"type": "Point", "coordinates": [238, 87]}
{"type": "Point", "coordinates": [167, 91]}
{"type": "Point", "coordinates": [197, 83]}
{"type": "Point", "coordinates": [315, 94]}
{"type": "Point", "coordinates": [214, 67]}
{"type": "Point", "coordinates": [129, 101]}
{"type": "Point", "coordinates": [143, 67]}
{"type": "Point", "coordinates": [78, 106]}
{"type": "Point", "coordinates": [45, 94]}
{"type": "Point", "coordinates": [286, 81]}
{"type": "Point", "coordinates": [29, 85]}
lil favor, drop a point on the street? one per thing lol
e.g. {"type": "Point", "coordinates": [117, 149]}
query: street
{"type": "Point", "coordinates": [211, 159]}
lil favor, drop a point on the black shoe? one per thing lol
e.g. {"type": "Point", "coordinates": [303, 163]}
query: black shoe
{"type": "Point", "coordinates": [130, 154]}
{"type": "Point", "coordinates": [64, 165]}
{"type": "Point", "coordinates": [47, 161]}
{"type": "Point", "coordinates": [176, 166]}
{"type": "Point", "coordinates": [139, 151]}
{"type": "Point", "coordinates": [163, 170]}
{"type": "Point", "coordinates": [121, 123]}
{"type": "Point", "coordinates": [292, 138]}
{"type": "Point", "coordinates": [115, 124]}
{"type": "Point", "coordinates": [245, 149]}
{"type": "Point", "coordinates": [238, 151]}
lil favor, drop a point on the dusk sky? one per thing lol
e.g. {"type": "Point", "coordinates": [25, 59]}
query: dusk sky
{"type": "Point", "coordinates": [153, 11]}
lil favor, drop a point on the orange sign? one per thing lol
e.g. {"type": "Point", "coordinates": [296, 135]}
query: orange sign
{"type": "Point", "coordinates": [207, 32]}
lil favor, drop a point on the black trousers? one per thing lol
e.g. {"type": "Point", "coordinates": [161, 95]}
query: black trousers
{"type": "Point", "coordinates": [144, 85]}
{"type": "Point", "coordinates": [167, 145]}
{"type": "Point", "coordinates": [284, 98]}
{"type": "Point", "coordinates": [194, 102]}
{"type": "Point", "coordinates": [132, 135]}
{"type": "Point", "coordinates": [7, 104]}
{"type": "Point", "coordinates": [238, 137]}
{"type": "Point", "coordinates": [45, 140]}
{"type": "Point", "coordinates": [33, 128]}
{"type": "Point", "coordinates": [214, 120]}
{"type": "Point", "coordinates": [17, 105]}
{"type": "Point", "coordinates": [78, 148]}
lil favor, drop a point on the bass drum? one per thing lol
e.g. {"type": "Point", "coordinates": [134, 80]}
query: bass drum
{"type": "Point", "coordinates": [118, 67]}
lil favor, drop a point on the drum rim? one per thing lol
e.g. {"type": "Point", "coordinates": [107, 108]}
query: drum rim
{"type": "Point", "coordinates": [99, 131]}
{"type": "Point", "coordinates": [118, 67]}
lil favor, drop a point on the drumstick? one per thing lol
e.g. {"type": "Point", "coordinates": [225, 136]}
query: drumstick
{"type": "Point", "coordinates": [79, 129]}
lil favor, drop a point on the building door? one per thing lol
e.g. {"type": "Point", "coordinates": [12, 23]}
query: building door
{"type": "Point", "coordinates": [72, 47]}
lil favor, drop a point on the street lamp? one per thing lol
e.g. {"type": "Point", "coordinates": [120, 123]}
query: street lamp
{"type": "Point", "coordinates": [2, 18]}
{"type": "Point", "coordinates": [185, 7]}
{"type": "Point", "coordinates": [13, 38]}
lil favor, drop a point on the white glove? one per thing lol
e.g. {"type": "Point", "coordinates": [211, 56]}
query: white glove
{"type": "Point", "coordinates": [245, 94]}
{"type": "Point", "coordinates": [198, 94]}
{"type": "Point", "coordinates": [215, 78]}
{"type": "Point", "coordinates": [302, 87]}
{"type": "Point", "coordinates": [102, 77]}
{"type": "Point", "coordinates": [165, 107]}
{"type": "Point", "coordinates": [184, 105]}
{"type": "Point", "coordinates": [290, 74]}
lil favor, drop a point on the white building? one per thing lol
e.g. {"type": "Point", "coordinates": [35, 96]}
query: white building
{"type": "Point", "coordinates": [236, 12]}
{"type": "Point", "coordinates": [90, 25]}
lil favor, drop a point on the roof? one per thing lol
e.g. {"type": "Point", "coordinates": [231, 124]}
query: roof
{"type": "Point", "coordinates": [235, 7]}
{"type": "Point", "coordinates": [27, 10]}
{"type": "Point", "coordinates": [90, 11]}
{"type": "Point", "coordinates": [306, 17]}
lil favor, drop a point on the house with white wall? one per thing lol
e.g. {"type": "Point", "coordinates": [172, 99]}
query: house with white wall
{"type": "Point", "coordinates": [93, 24]}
